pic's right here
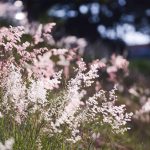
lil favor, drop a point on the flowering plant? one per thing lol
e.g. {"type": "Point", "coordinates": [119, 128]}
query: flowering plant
{"type": "Point", "coordinates": [30, 76]}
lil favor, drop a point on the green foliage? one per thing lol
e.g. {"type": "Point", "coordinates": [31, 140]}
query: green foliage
{"type": "Point", "coordinates": [142, 66]}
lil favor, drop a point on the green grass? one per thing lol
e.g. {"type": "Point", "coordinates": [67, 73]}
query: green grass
{"type": "Point", "coordinates": [29, 132]}
{"type": "Point", "coordinates": [141, 65]}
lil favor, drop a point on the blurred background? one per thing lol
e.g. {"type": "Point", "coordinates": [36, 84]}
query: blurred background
{"type": "Point", "coordinates": [99, 28]}
{"type": "Point", "coordinates": [122, 26]}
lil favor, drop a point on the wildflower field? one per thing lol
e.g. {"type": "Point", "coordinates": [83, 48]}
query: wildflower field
{"type": "Point", "coordinates": [52, 98]}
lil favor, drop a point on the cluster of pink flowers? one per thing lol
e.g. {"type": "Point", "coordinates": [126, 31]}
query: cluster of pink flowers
{"type": "Point", "coordinates": [117, 63]}
{"type": "Point", "coordinates": [28, 74]}
{"type": "Point", "coordinates": [143, 94]}
{"type": "Point", "coordinates": [79, 109]}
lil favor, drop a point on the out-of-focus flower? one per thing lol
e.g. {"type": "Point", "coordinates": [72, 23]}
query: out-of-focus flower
{"type": "Point", "coordinates": [8, 145]}
{"type": "Point", "coordinates": [1, 115]}
{"type": "Point", "coordinates": [120, 62]}
{"type": "Point", "coordinates": [133, 92]}
{"type": "Point", "coordinates": [145, 108]}
{"type": "Point", "coordinates": [71, 42]}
